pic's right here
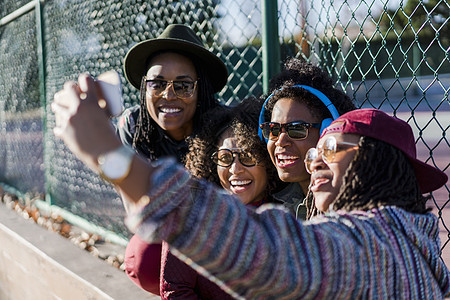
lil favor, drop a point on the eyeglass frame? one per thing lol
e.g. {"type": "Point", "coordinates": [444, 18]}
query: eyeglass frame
{"type": "Point", "coordinates": [195, 82]}
{"type": "Point", "coordinates": [233, 154]}
{"type": "Point", "coordinates": [284, 125]}
{"type": "Point", "coordinates": [320, 151]}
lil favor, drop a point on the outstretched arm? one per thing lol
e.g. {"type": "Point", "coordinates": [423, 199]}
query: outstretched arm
{"type": "Point", "coordinates": [85, 128]}
{"type": "Point", "coordinates": [250, 254]}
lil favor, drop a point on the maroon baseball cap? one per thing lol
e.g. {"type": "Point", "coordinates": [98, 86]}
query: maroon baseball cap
{"type": "Point", "coordinates": [378, 125]}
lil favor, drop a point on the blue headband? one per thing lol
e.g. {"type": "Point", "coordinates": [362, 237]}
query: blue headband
{"type": "Point", "coordinates": [324, 99]}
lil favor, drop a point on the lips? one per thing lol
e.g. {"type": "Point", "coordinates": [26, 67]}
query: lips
{"type": "Point", "coordinates": [238, 186]}
{"type": "Point", "coordinates": [284, 160]}
{"type": "Point", "coordinates": [318, 181]}
{"type": "Point", "coordinates": [169, 110]}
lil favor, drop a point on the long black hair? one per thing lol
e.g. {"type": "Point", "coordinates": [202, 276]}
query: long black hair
{"type": "Point", "coordinates": [146, 127]}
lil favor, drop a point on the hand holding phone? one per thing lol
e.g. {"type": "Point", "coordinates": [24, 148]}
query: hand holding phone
{"type": "Point", "coordinates": [111, 88]}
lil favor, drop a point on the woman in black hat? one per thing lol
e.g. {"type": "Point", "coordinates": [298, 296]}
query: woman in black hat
{"type": "Point", "coordinates": [177, 78]}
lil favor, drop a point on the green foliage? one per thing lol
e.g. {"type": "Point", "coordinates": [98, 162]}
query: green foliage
{"type": "Point", "coordinates": [417, 18]}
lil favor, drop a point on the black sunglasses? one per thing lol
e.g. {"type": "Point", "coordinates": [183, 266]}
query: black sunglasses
{"type": "Point", "coordinates": [297, 130]}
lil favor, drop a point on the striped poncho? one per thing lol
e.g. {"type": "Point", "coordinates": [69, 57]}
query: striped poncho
{"type": "Point", "coordinates": [385, 253]}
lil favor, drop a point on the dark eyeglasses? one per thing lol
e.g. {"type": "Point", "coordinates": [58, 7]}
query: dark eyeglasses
{"type": "Point", "coordinates": [181, 88]}
{"type": "Point", "coordinates": [225, 157]}
{"type": "Point", "coordinates": [328, 150]}
{"type": "Point", "coordinates": [296, 130]}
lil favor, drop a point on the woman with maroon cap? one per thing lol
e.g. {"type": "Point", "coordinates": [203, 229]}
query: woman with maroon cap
{"type": "Point", "coordinates": [376, 239]}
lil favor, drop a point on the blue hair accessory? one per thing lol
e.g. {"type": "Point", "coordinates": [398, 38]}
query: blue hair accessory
{"type": "Point", "coordinates": [324, 99]}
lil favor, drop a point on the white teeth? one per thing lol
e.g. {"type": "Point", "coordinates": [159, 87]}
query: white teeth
{"type": "Point", "coordinates": [319, 180]}
{"type": "Point", "coordinates": [240, 182]}
{"type": "Point", "coordinates": [291, 157]}
{"type": "Point", "coordinates": [169, 110]}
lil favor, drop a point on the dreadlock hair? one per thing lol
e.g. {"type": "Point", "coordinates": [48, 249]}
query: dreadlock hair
{"type": "Point", "coordinates": [299, 72]}
{"type": "Point", "coordinates": [146, 126]}
{"type": "Point", "coordinates": [369, 184]}
{"type": "Point", "coordinates": [242, 120]}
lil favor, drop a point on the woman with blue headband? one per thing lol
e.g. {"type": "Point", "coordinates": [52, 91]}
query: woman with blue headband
{"type": "Point", "coordinates": [303, 101]}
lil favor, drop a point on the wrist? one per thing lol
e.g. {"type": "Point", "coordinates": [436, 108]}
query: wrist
{"type": "Point", "coordinates": [115, 165]}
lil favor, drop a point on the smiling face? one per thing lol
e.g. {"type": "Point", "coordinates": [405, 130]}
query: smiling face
{"type": "Point", "coordinates": [288, 154]}
{"type": "Point", "coordinates": [248, 183]}
{"type": "Point", "coordinates": [326, 178]}
{"type": "Point", "coordinates": [171, 113]}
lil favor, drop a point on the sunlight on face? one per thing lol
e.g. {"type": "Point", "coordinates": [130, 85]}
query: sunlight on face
{"type": "Point", "coordinates": [326, 177]}
{"type": "Point", "coordinates": [248, 183]}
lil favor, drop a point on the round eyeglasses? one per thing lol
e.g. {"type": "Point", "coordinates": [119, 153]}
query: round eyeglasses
{"type": "Point", "coordinates": [181, 88]}
{"type": "Point", "coordinates": [329, 151]}
{"type": "Point", "coordinates": [225, 157]}
{"type": "Point", "coordinates": [296, 130]}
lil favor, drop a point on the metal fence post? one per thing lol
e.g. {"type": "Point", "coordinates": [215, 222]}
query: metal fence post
{"type": "Point", "coordinates": [39, 8]}
{"type": "Point", "coordinates": [270, 41]}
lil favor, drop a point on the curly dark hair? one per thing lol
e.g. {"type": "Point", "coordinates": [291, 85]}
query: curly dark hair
{"type": "Point", "coordinates": [298, 72]}
{"type": "Point", "coordinates": [369, 184]}
{"type": "Point", "coordinates": [243, 121]}
{"type": "Point", "coordinates": [146, 126]}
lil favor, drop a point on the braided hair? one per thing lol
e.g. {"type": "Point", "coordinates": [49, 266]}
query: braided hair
{"type": "Point", "coordinates": [369, 184]}
{"type": "Point", "coordinates": [146, 127]}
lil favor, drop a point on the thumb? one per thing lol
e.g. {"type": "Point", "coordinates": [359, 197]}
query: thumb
{"type": "Point", "coordinates": [87, 87]}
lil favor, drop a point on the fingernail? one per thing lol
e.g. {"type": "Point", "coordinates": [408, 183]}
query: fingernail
{"type": "Point", "coordinates": [82, 83]}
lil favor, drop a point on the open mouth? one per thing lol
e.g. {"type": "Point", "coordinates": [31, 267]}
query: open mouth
{"type": "Point", "coordinates": [239, 185]}
{"type": "Point", "coordinates": [286, 160]}
{"type": "Point", "coordinates": [318, 182]}
{"type": "Point", "coordinates": [170, 110]}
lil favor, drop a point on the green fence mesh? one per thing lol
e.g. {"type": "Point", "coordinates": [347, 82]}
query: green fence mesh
{"type": "Point", "coordinates": [392, 55]}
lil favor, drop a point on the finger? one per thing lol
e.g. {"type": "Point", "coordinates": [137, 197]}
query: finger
{"type": "Point", "coordinates": [90, 89]}
{"type": "Point", "coordinates": [60, 98]}
{"type": "Point", "coordinates": [59, 109]}
{"type": "Point", "coordinates": [57, 131]}
{"type": "Point", "coordinates": [87, 85]}
{"type": "Point", "coordinates": [61, 115]}
{"type": "Point", "coordinates": [68, 85]}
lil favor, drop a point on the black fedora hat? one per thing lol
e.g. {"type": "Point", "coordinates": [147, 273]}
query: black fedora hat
{"type": "Point", "coordinates": [179, 38]}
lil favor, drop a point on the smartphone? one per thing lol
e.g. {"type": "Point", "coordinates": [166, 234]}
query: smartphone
{"type": "Point", "coordinates": [111, 88]}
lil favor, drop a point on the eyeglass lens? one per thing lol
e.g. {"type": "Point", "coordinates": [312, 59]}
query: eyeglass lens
{"type": "Point", "coordinates": [328, 152]}
{"type": "Point", "coordinates": [181, 88]}
{"type": "Point", "coordinates": [225, 158]}
{"type": "Point", "coordinates": [295, 130]}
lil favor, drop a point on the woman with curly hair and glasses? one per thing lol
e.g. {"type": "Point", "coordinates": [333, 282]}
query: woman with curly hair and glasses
{"type": "Point", "coordinates": [229, 153]}
{"type": "Point", "coordinates": [177, 78]}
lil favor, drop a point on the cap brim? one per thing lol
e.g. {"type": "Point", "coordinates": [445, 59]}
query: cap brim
{"type": "Point", "coordinates": [428, 177]}
{"type": "Point", "coordinates": [136, 58]}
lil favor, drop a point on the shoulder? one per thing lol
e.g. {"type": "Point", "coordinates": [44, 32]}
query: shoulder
{"type": "Point", "coordinates": [126, 124]}
{"type": "Point", "coordinates": [128, 117]}
{"type": "Point", "coordinates": [292, 198]}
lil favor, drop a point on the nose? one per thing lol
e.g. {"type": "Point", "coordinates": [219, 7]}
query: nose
{"type": "Point", "coordinates": [318, 164]}
{"type": "Point", "coordinates": [236, 167]}
{"type": "Point", "coordinates": [169, 93]}
{"type": "Point", "coordinates": [283, 139]}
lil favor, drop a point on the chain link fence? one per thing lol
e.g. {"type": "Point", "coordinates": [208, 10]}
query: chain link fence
{"type": "Point", "coordinates": [392, 55]}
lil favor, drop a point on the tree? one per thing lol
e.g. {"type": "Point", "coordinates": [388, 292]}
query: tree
{"type": "Point", "coordinates": [421, 18]}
